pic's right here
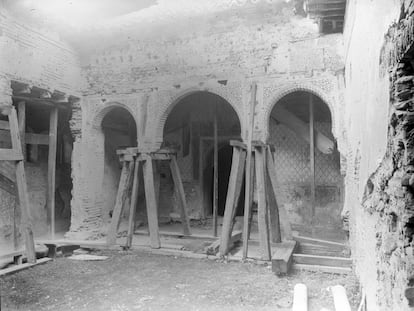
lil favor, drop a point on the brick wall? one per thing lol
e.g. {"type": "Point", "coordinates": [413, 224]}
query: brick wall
{"type": "Point", "coordinates": [37, 57]}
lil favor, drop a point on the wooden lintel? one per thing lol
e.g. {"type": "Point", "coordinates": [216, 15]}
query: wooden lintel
{"type": "Point", "coordinates": [49, 102]}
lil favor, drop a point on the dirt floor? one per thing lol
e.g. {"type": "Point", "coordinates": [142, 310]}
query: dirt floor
{"type": "Point", "coordinates": [137, 280]}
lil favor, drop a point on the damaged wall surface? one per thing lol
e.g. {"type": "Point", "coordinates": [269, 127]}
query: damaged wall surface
{"type": "Point", "coordinates": [378, 94]}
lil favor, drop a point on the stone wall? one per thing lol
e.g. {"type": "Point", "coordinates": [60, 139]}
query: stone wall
{"type": "Point", "coordinates": [378, 98]}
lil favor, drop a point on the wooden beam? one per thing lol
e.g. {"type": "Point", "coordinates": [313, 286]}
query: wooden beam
{"type": "Point", "coordinates": [312, 153]}
{"type": "Point", "coordinates": [21, 106]}
{"type": "Point", "coordinates": [133, 206]}
{"type": "Point", "coordinates": [152, 208]}
{"type": "Point", "coordinates": [121, 196]}
{"type": "Point", "coordinates": [283, 219]}
{"type": "Point", "coordinates": [30, 138]}
{"type": "Point", "coordinates": [214, 247]}
{"type": "Point", "coordinates": [10, 155]}
{"type": "Point", "coordinates": [178, 185]}
{"type": "Point", "coordinates": [233, 195]}
{"type": "Point", "coordinates": [274, 221]}
{"type": "Point", "coordinates": [322, 142]}
{"type": "Point", "coordinates": [282, 258]}
{"type": "Point", "coordinates": [47, 102]}
{"type": "Point", "coordinates": [51, 168]}
{"type": "Point", "coordinates": [261, 204]}
{"type": "Point", "coordinates": [215, 175]}
{"type": "Point", "coordinates": [248, 183]}
{"type": "Point", "coordinates": [22, 188]}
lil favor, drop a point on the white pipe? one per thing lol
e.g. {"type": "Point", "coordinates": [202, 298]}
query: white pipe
{"type": "Point", "coordinates": [340, 299]}
{"type": "Point", "coordinates": [300, 298]}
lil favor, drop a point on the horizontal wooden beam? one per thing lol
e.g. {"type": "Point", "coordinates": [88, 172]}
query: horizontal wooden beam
{"type": "Point", "coordinates": [10, 155]}
{"type": "Point", "coordinates": [48, 102]}
{"type": "Point", "coordinates": [30, 138]}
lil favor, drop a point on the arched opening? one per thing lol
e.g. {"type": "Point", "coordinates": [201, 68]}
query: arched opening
{"type": "Point", "coordinates": [120, 131]}
{"type": "Point", "coordinates": [189, 128]}
{"type": "Point", "coordinates": [290, 132]}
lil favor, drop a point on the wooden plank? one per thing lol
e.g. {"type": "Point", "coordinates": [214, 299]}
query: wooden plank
{"type": "Point", "coordinates": [248, 179]}
{"type": "Point", "coordinates": [31, 138]}
{"type": "Point", "coordinates": [152, 208]}
{"type": "Point", "coordinates": [302, 239]}
{"type": "Point", "coordinates": [51, 168]}
{"type": "Point", "coordinates": [133, 206]}
{"type": "Point", "coordinates": [10, 155]}
{"type": "Point", "coordinates": [318, 268]}
{"type": "Point", "coordinates": [121, 196]}
{"type": "Point", "coordinates": [261, 204]}
{"type": "Point", "coordinates": [274, 224]}
{"type": "Point", "coordinates": [22, 189]}
{"type": "Point", "coordinates": [281, 219]}
{"type": "Point", "coordinates": [214, 247]}
{"type": "Point", "coordinates": [179, 189]}
{"type": "Point", "coordinates": [21, 106]}
{"type": "Point", "coordinates": [233, 194]}
{"type": "Point", "coordinates": [215, 175]}
{"type": "Point", "coordinates": [322, 260]}
{"type": "Point", "coordinates": [282, 258]}
{"type": "Point", "coordinates": [322, 142]}
{"type": "Point", "coordinates": [180, 235]}
{"type": "Point", "coordinates": [23, 266]}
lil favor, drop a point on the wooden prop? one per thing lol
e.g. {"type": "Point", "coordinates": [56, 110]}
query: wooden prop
{"type": "Point", "coordinates": [248, 184]}
{"type": "Point", "coordinates": [16, 155]}
{"type": "Point", "coordinates": [131, 159]}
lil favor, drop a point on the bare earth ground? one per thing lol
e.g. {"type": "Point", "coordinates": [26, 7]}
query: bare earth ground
{"type": "Point", "coordinates": [140, 281]}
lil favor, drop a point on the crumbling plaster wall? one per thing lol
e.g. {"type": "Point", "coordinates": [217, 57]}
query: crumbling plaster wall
{"type": "Point", "coordinates": [39, 58]}
{"type": "Point", "coordinates": [222, 53]}
{"type": "Point", "coordinates": [379, 205]}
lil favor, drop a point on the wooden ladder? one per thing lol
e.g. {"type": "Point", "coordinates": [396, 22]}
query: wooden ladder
{"type": "Point", "coordinates": [16, 155]}
{"type": "Point", "coordinates": [131, 159]}
{"type": "Point", "coordinates": [269, 213]}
